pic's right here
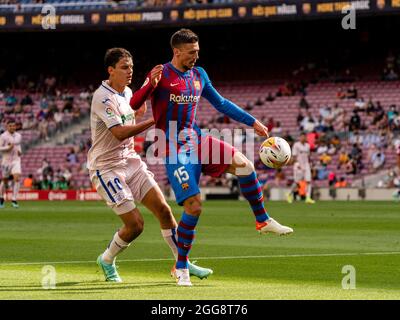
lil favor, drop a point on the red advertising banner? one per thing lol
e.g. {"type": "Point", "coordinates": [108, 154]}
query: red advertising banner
{"type": "Point", "coordinates": [59, 195]}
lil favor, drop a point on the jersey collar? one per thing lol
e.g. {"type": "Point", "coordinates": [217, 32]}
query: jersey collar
{"type": "Point", "coordinates": [176, 70]}
{"type": "Point", "coordinates": [105, 85]}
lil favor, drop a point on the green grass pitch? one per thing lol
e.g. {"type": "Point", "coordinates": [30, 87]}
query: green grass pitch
{"type": "Point", "coordinates": [306, 265]}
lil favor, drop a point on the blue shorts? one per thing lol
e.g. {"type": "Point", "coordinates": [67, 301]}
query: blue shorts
{"type": "Point", "coordinates": [185, 177]}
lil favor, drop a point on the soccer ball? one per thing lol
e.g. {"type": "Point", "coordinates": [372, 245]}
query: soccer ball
{"type": "Point", "coordinates": [275, 152]}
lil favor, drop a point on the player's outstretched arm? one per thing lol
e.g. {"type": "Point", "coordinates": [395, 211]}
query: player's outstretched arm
{"type": "Point", "coordinates": [123, 132]}
{"type": "Point", "coordinates": [140, 96]}
{"type": "Point", "coordinates": [223, 105]}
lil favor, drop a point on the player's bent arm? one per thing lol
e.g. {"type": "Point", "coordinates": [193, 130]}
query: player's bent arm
{"type": "Point", "coordinates": [140, 96]}
{"type": "Point", "coordinates": [123, 132]}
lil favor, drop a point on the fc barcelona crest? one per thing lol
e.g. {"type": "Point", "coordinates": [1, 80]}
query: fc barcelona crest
{"type": "Point", "coordinates": [185, 186]}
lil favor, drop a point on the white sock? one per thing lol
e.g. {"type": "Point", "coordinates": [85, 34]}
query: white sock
{"type": "Point", "coordinates": [116, 246]}
{"type": "Point", "coordinates": [309, 189]}
{"type": "Point", "coordinates": [171, 239]}
{"type": "Point", "coordinates": [2, 189]}
{"type": "Point", "coordinates": [16, 186]}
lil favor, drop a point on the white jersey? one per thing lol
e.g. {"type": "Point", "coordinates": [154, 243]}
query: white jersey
{"type": "Point", "coordinates": [302, 153]}
{"type": "Point", "coordinates": [14, 154]}
{"type": "Point", "coordinates": [110, 108]}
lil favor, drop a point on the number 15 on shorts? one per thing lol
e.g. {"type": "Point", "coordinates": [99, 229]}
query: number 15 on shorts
{"type": "Point", "coordinates": [181, 174]}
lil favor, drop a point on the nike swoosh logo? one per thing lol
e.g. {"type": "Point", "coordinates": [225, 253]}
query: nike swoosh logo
{"type": "Point", "coordinates": [174, 84]}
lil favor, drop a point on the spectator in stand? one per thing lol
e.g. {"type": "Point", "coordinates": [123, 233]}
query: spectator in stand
{"type": "Point", "coordinates": [339, 123]}
{"type": "Point", "coordinates": [303, 104]}
{"type": "Point", "coordinates": [336, 143]}
{"type": "Point", "coordinates": [355, 122]}
{"type": "Point", "coordinates": [270, 124]}
{"type": "Point", "coordinates": [270, 97]}
{"type": "Point", "coordinates": [29, 182]}
{"type": "Point", "coordinates": [311, 139]}
{"type": "Point", "coordinates": [342, 183]}
{"type": "Point", "coordinates": [355, 137]}
{"type": "Point", "coordinates": [360, 105]}
{"type": "Point", "coordinates": [372, 149]}
{"type": "Point", "coordinates": [27, 100]}
{"type": "Point", "coordinates": [43, 129]}
{"type": "Point", "coordinates": [325, 159]}
{"type": "Point", "coordinates": [340, 94]}
{"type": "Point", "coordinates": [370, 138]}
{"type": "Point", "coordinates": [356, 152]}
{"type": "Point", "coordinates": [352, 93]}
{"type": "Point", "coordinates": [58, 119]}
{"type": "Point", "coordinates": [370, 106]}
{"type": "Point", "coordinates": [29, 123]}
{"type": "Point", "coordinates": [76, 114]}
{"type": "Point", "coordinates": [321, 125]}
{"type": "Point", "coordinates": [331, 178]}
{"type": "Point", "coordinates": [61, 184]}
{"type": "Point", "coordinates": [322, 171]}
{"type": "Point", "coordinates": [378, 160]}
{"type": "Point", "coordinates": [46, 184]}
{"type": "Point", "coordinates": [299, 119]}
{"type": "Point", "coordinates": [351, 166]}
{"type": "Point", "coordinates": [277, 130]}
{"type": "Point", "coordinates": [322, 148]}
{"type": "Point", "coordinates": [68, 105]}
{"type": "Point", "coordinates": [391, 115]}
{"type": "Point", "coordinates": [308, 123]}
{"type": "Point", "coordinates": [379, 113]}
{"type": "Point", "coordinates": [72, 157]}
{"type": "Point", "coordinates": [18, 108]}
{"type": "Point", "coordinates": [11, 101]}
{"type": "Point", "coordinates": [259, 101]}
{"type": "Point", "coordinates": [390, 75]}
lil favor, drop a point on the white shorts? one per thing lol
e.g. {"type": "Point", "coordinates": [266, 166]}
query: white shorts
{"type": "Point", "coordinates": [300, 174]}
{"type": "Point", "coordinates": [11, 169]}
{"type": "Point", "coordinates": [121, 186]}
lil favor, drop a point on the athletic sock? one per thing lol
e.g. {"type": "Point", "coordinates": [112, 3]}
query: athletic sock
{"type": "Point", "coordinates": [309, 189]}
{"type": "Point", "coordinates": [2, 192]}
{"type": "Point", "coordinates": [170, 238]}
{"type": "Point", "coordinates": [116, 246]}
{"type": "Point", "coordinates": [186, 232]}
{"type": "Point", "coordinates": [16, 186]}
{"type": "Point", "coordinates": [252, 191]}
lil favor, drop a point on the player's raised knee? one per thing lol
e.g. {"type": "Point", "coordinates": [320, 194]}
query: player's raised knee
{"type": "Point", "coordinates": [243, 166]}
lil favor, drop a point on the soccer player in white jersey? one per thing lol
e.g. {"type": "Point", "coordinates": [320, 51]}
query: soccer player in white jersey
{"type": "Point", "coordinates": [301, 168]}
{"type": "Point", "coordinates": [116, 170]}
{"type": "Point", "coordinates": [10, 147]}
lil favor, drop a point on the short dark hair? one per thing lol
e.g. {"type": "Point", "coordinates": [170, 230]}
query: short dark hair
{"type": "Point", "coordinates": [11, 121]}
{"type": "Point", "coordinates": [183, 36]}
{"type": "Point", "coordinates": [113, 55]}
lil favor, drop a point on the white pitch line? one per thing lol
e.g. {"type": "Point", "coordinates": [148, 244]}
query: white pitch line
{"type": "Point", "coordinates": [212, 258]}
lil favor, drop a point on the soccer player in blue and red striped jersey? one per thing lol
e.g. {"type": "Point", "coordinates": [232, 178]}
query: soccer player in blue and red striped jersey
{"type": "Point", "coordinates": [189, 152]}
